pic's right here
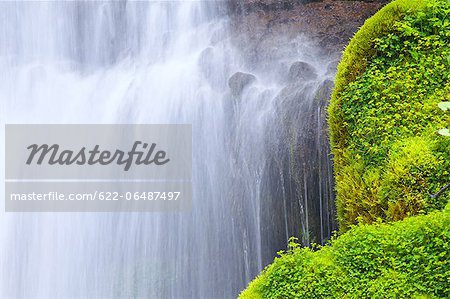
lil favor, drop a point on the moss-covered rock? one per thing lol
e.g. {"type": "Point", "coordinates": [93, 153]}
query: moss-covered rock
{"type": "Point", "coordinates": [384, 116]}
{"type": "Point", "coordinates": [407, 259]}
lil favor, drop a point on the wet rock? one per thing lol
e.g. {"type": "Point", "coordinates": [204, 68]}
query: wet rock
{"type": "Point", "coordinates": [329, 23]}
{"type": "Point", "coordinates": [248, 6]}
{"type": "Point", "coordinates": [332, 67]}
{"type": "Point", "coordinates": [323, 92]}
{"type": "Point", "coordinates": [239, 81]}
{"type": "Point", "coordinates": [301, 71]}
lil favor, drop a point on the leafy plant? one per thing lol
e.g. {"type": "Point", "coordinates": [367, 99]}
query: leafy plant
{"type": "Point", "coordinates": [407, 259]}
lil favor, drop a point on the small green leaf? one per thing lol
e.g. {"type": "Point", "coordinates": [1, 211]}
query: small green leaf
{"type": "Point", "coordinates": [444, 105]}
{"type": "Point", "coordinates": [444, 132]}
{"type": "Point", "coordinates": [414, 55]}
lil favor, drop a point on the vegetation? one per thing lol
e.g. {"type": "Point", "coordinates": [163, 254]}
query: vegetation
{"type": "Point", "coordinates": [406, 259]}
{"type": "Point", "coordinates": [384, 114]}
{"type": "Point", "coordinates": [387, 117]}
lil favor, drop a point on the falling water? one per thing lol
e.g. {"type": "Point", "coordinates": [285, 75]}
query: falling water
{"type": "Point", "coordinates": [261, 168]}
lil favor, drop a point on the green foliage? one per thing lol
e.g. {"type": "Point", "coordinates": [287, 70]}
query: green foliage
{"type": "Point", "coordinates": [407, 259]}
{"type": "Point", "coordinates": [384, 114]}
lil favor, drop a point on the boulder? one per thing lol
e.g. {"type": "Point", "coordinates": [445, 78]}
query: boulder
{"type": "Point", "coordinates": [302, 71]}
{"type": "Point", "coordinates": [239, 81]}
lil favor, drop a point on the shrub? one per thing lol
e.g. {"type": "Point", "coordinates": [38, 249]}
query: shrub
{"type": "Point", "coordinates": [406, 259]}
{"type": "Point", "coordinates": [384, 114]}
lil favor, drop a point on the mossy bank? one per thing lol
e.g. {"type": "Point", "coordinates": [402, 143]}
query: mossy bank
{"type": "Point", "coordinates": [384, 114]}
{"type": "Point", "coordinates": [407, 259]}
{"type": "Point", "coordinates": [394, 237]}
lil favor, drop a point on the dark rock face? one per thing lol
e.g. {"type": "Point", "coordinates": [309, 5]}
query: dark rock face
{"type": "Point", "coordinates": [332, 67]}
{"type": "Point", "coordinates": [297, 187]}
{"type": "Point", "coordinates": [301, 71]}
{"type": "Point", "coordinates": [323, 92]}
{"type": "Point", "coordinates": [329, 23]}
{"type": "Point", "coordinates": [247, 6]}
{"type": "Point", "coordinates": [239, 81]}
{"type": "Point", "coordinates": [297, 44]}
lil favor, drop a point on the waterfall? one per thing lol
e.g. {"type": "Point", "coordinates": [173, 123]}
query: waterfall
{"type": "Point", "coordinates": [261, 170]}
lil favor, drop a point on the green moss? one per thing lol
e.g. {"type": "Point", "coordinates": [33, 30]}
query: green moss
{"type": "Point", "coordinates": [383, 114]}
{"type": "Point", "coordinates": [407, 259]}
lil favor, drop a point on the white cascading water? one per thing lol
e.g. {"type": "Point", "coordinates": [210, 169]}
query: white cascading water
{"type": "Point", "coordinates": [254, 182]}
